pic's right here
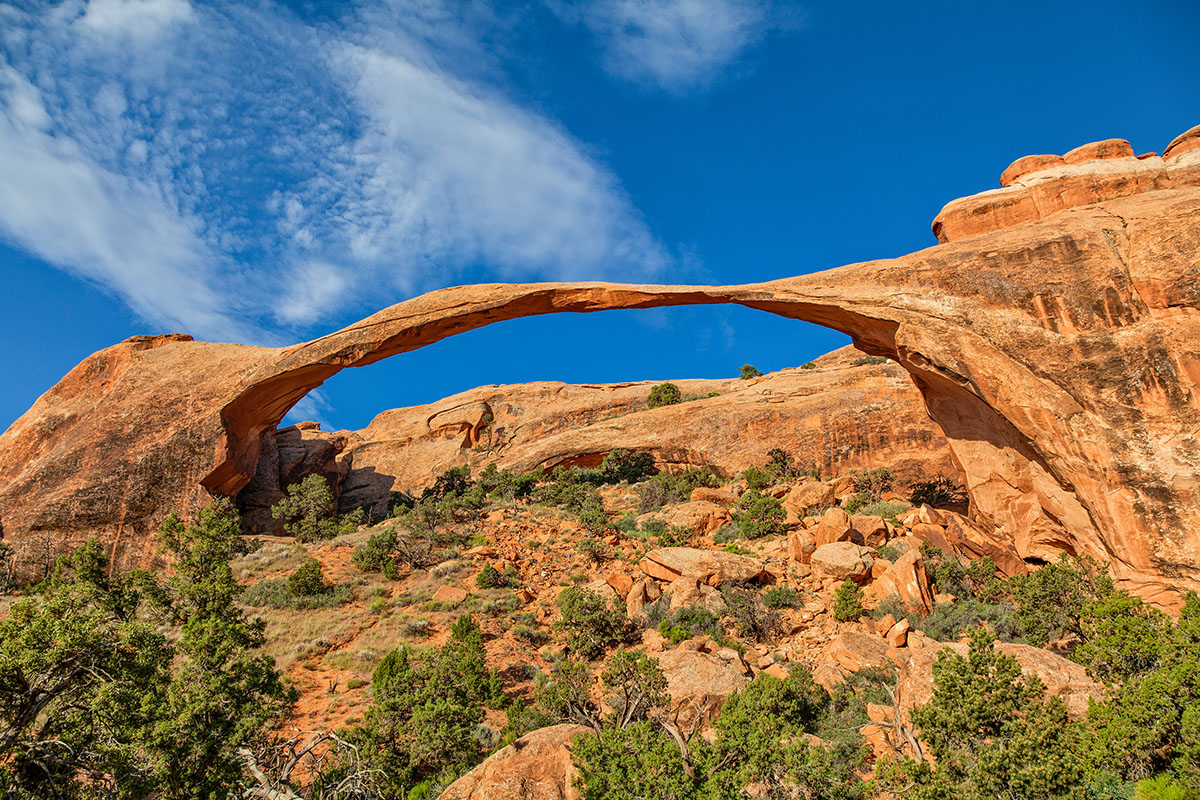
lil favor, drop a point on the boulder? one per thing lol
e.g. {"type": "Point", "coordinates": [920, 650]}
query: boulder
{"type": "Point", "coordinates": [834, 527]}
{"type": "Point", "coordinates": [1063, 678]}
{"type": "Point", "coordinates": [972, 542]}
{"type": "Point", "coordinates": [897, 634]}
{"type": "Point", "coordinates": [699, 684]}
{"type": "Point", "coordinates": [854, 651]}
{"type": "Point", "coordinates": [871, 529]}
{"type": "Point", "coordinates": [828, 674]}
{"type": "Point", "coordinates": [720, 497]}
{"type": "Point", "coordinates": [538, 766]}
{"type": "Point", "coordinates": [906, 580]}
{"type": "Point", "coordinates": [452, 595]}
{"type": "Point", "coordinates": [602, 588]}
{"type": "Point", "coordinates": [801, 545]}
{"type": "Point", "coordinates": [642, 592]}
{"type": "Point", "coordinates": [841, 561]}
{"type": "Point", "coordinates": [621, 583]}
{"type": "Point", "coordinates": [713, 567]}
{"type": "Point", "coordinates": [807, 496]}
{"type": "Point", "coordinates": [699, 517]}
{"type": "Point", "coordinates": [685, 592]}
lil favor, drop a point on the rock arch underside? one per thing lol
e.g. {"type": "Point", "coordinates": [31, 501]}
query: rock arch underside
{"type": "Point", "coordinates": [1052, 333]}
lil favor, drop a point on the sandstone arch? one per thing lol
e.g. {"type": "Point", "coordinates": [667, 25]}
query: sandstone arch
{"type": "Point", "coordinates": [1053, 335]}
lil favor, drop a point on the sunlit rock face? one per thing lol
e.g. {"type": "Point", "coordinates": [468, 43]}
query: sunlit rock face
{"type": "Point", "coordinates": [1052, 336]}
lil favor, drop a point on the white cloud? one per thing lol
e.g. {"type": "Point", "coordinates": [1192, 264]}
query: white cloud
{"type": "Point", "coordinates": [240, 170]}
{"type": "Point", "coordinates": [139, 20]}
{"type": "Point", "coordinates": [70, 211]}
{"type": "Point", "coordinates": [453, 174]}
{"type": "Point", "coordinates": [677, 44]}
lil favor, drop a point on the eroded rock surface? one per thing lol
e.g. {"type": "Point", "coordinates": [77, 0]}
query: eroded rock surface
{"type": "Point", "coordinates": [1053, 336]}
{"type": "Point", "coordinates": [537, 766]}
{"type": "Point", "coordinates": [838, 416]}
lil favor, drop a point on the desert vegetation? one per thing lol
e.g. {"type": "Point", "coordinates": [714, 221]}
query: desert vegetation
{"type": "Point", "coordinates": [391, 659]}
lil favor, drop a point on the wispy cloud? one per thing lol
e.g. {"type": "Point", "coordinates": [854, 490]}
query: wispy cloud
{"type": "Point", "coordinates": [677, 45]}
{"type": "Point", "coordinates": [237, 172]}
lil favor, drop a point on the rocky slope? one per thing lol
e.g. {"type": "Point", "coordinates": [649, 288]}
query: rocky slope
{"type": "Point", "coordinates": [329, 653]}
{"type": "Point", "coordinates": [1052, 334]}
{"type": "Point", "coordinates": [843, 412]}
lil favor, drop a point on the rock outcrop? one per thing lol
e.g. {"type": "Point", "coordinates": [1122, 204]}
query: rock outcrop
{"type": "Point", "coordinates": [838, 415]}
{"type": "Point", "coordinates": [710, 567]}
{"type": "Point", "coordinates": [1052, 334]}
{"type": "Point", "coordinates": [1063, 678]}
{"type": "Point", "coordinates": [537, 766]}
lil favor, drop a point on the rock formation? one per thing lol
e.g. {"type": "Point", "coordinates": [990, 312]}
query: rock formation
{"type": "Point", "coordinates": [836, 416]}
{"type": "Point", "coordinates": [537, 766]}
{"type": "Point", "coordinates": [1052, 334]}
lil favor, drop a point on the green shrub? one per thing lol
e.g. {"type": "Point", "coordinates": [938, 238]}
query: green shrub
{"type": "Point", "coordinates": [626, 524]}
{"type": "Point", "coordinates": [889, 511]}
{"type": "Point", "coordinates": [992, 734]}
{"type": "Point", "coordinates": [588, 625]}
{"type": "Point", "coordinates": [592, 516]}
{"type": "Point", "coordinates": [808, 365]}
{"type": "Point", "coordinates": [635, 763]}
{"type": "Point", "coordinates": [673, 633]}
{"type": "Point", "coordinates": [888, 552]}
{"type": "Point", "coordinates": [747, 372]}
{"type": "Point", "coordinates": [377, 553]}
{"type": "Point", "coordinates": [757, 479]}
{"type": "Point", "coordinates": [530, 635]}
{"type": "Point", "coordinates": [307, 579]}
{"type": "Point", "coordinates": [454, 481]}
{"type": "Point", "coordinates": [753, 619]}
{"type": "Point", "coordinates": [310, 513]}
{"type": "Point", "coordinates": [506, 486]}
{"type": "Point", "coordinates": [663, 489]}
{"type": "Point", "coordinates": [758, 515]}
{"type": "Point", "coordinates": [782, 597]}
{"type": "Point", "coordinates": [873, 482]}
{"type": "Point", "coordinates": [688, 622]}
{"type": "Point", "coordinates": [416, 628]}
{"type": "Point", "coordinates": [631, 467]}
{"type": "Point", "coordinates": [890, 605]}
{"type": "Point", "coordinates": [947, 622]}
{"type": "Point", "coordinates": [940, 491]}
{"type": "Point", "coordinates": [945, 571]}
{"type": "Point", "coordinates": [674, 536]}
{"type": "Point", "coordinates": [1162, 788]}
{"type": "Point", "coordinates": [1050, 601]}
{"type": "Point", "coordinates": [847, 602]}
{"type": "Point", "coordinates": [760, 740]}
{"type": "Point", "coordinates": [491, 578]}
{"type": "Point", "coordinates": [865, 360]}
{"type": "Point", "coordinates": [106, 674]}
{"type": "Point", "coordinates": [428, 706]}
{"type": "Point", "coordinates": [664, 394]}
{"type": "Point", "coordinates": [593, 550]}
{"type": "Point", "coordinates": [782, 467]}
{"type": "Point", "coordinates": [500, 605]}
{"type": "Point", "coordinates": [277, 593]}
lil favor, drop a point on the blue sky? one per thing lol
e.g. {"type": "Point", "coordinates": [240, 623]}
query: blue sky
{"type": "Point", "coordinates": [265, 173]}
